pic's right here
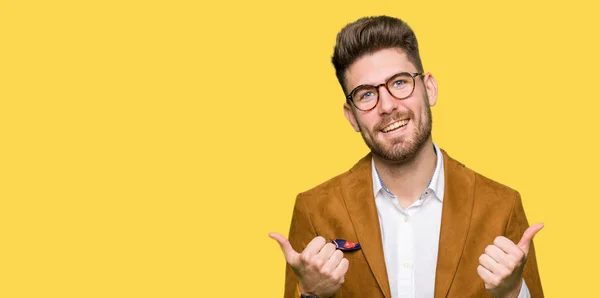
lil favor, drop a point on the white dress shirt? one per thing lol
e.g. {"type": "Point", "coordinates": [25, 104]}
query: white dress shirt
{"type": "Point", "coordinates": [411, 236]}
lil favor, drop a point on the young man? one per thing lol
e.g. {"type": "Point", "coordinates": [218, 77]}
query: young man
{"type": "Point", "coordinates": [407, 220]}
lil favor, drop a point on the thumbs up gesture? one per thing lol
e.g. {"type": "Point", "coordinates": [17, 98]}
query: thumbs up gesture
{"type": "Point", "coordinates": [320, 268]}
{"type": "Point", "coordinates": [501, 265]}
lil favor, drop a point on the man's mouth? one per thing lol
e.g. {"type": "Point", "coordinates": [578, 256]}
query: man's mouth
{"type": "Point", "coordinates": [395, 125]}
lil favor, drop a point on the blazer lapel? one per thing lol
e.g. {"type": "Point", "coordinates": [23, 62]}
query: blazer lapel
{"type": "Point", "coordinates": [456, 218]}
{"type": "Point", "coordinates": [357, 192]}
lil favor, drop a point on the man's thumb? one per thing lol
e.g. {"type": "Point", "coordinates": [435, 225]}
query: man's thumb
{"type": "Point", "coordinates": [288, 252]}
{"type": "Point", "coordinates": [525, 241]}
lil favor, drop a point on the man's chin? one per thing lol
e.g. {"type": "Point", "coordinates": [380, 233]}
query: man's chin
{"type": "Point", "coordinates": [393, 155]}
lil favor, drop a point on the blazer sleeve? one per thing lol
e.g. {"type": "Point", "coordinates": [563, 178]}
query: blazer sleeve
{"type": "Point", "coordinates": [517, 224]}
{"type": "Point", "coordinates": [301, 233]}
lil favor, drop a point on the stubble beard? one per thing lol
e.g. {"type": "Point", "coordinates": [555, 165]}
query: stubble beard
{"type": "Point", "coordinates": [405, 148]}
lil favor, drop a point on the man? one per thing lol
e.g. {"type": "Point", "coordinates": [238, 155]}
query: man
{"type": "Point", "coordinates": [407, 220]}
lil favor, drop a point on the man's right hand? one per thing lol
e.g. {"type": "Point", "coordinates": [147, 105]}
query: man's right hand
{"type": "Point", "coordinates": [320, 268]}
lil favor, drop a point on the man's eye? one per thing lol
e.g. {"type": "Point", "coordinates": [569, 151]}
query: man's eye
{"type": "Point", "coordinates": [367, 95]}
{"type": "Point", "coordinates": [399, 83]}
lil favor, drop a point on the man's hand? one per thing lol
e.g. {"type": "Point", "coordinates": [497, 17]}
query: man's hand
{"type": "Point", "coordinates": [501, 265]}
{"type": "Point", "coordinates": [320, 268]}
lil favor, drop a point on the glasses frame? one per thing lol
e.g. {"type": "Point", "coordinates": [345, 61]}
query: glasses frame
{"type": "Point", "coordinates": [413, 75]}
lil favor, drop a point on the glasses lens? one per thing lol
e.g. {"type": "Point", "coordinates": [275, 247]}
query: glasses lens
{"type": "Point", "coordinates": [365, 97]}
{"type": "Point", "coordinates": [401, 85]}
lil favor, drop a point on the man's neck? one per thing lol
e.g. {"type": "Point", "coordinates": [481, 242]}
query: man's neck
{"type": "Point", "coordinates": [407, 180]}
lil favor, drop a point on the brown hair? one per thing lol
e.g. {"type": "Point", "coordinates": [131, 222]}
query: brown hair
{"type": "Point", "coordinates": [368, 35]}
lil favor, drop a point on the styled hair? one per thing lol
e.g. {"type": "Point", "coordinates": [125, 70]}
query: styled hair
{"type": "Point", "coordinates": [368, 35]}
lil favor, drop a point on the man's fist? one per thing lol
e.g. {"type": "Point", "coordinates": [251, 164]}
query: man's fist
{"type": "Point", "coordinates": [501, 265]}
{"type": "Point", "coordinates": [320, 268]}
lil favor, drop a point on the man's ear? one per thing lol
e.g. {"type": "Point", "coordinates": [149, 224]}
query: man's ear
{"type": "Point", "coordinates": [431, 88]}
{"type": "Point", "coordinates": [350, 116]}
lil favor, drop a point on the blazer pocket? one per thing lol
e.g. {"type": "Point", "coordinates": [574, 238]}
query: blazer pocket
{"type": "Point", "coordinates": [355, 255]}
{"type": "Point", "coordinates": [359, 280]}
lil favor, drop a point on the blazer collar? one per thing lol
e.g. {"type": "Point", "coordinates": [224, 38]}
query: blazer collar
{"type": "Point", "coordinates": [456, 219]}
{"type": "Point", "coordinates": [357, 192]}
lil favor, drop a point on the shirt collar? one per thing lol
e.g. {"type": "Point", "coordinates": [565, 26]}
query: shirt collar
{"type": "Point", "coordinates": [436, 184]}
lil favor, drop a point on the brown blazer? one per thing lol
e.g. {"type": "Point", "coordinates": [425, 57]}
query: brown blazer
{"type": "Point", "coordinates": [475, 211]}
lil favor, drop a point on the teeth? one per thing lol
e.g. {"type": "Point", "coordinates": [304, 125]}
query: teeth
{"type": "Point", "coordinates": [395, 125]}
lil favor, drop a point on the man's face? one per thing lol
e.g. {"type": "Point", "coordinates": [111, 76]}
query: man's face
{"type": "Point", "coordinates": [395, 129]}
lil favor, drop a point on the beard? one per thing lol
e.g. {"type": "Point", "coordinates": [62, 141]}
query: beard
{"type": "Point", "coordinates": [406, 147]}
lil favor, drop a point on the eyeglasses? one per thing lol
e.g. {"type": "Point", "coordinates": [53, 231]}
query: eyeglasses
{"type": "Point", "coordinates": [400, 86]}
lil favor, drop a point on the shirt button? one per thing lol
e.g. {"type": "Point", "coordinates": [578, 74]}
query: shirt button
{"type": "Point", "coordinates": [406, 265]}
{"type": "Point", "coordinates": [406, 219]}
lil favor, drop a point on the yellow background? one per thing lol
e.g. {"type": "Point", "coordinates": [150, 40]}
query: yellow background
{"type": "Point", "coordinates": [148, 147]}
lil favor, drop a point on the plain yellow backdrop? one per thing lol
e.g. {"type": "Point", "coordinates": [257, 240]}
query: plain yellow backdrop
{"type": "Point", "coordinates": [148, 147]}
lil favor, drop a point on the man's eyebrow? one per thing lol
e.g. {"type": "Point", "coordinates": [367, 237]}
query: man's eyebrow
{"type": "Point", "coordinates": [385, 80]}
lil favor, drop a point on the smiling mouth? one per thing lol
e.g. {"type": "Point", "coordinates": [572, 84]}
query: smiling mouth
{"type": "Point", "coordinates": [395, 125]}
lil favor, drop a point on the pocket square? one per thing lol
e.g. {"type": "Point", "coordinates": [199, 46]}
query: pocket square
{"type": "Point", "coordinates": [345, 245]}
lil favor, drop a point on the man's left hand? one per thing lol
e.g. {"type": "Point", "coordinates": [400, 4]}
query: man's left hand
{"type": "Point", "coordinates": [501, 265]}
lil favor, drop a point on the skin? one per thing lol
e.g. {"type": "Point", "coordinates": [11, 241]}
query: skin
{"type": "Point", "coordinates": [405, 160]}
{"type": "Point", "coordinates": [501, 265]}
{"type": "Point", "coordinates": [320, 268]}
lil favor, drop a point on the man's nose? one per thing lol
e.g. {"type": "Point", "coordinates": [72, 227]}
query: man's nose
{"type": "Point", "coordinates": [387, 103]}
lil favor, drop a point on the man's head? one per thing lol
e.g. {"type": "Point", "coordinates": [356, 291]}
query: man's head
{"type": "Point", "coordinates": [372, 51]}
{"type": "Point", "coordinates": [369, 35]}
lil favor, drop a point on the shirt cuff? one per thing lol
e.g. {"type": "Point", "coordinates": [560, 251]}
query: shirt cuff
{"type": "Point", "coordinates": [524, 293]}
